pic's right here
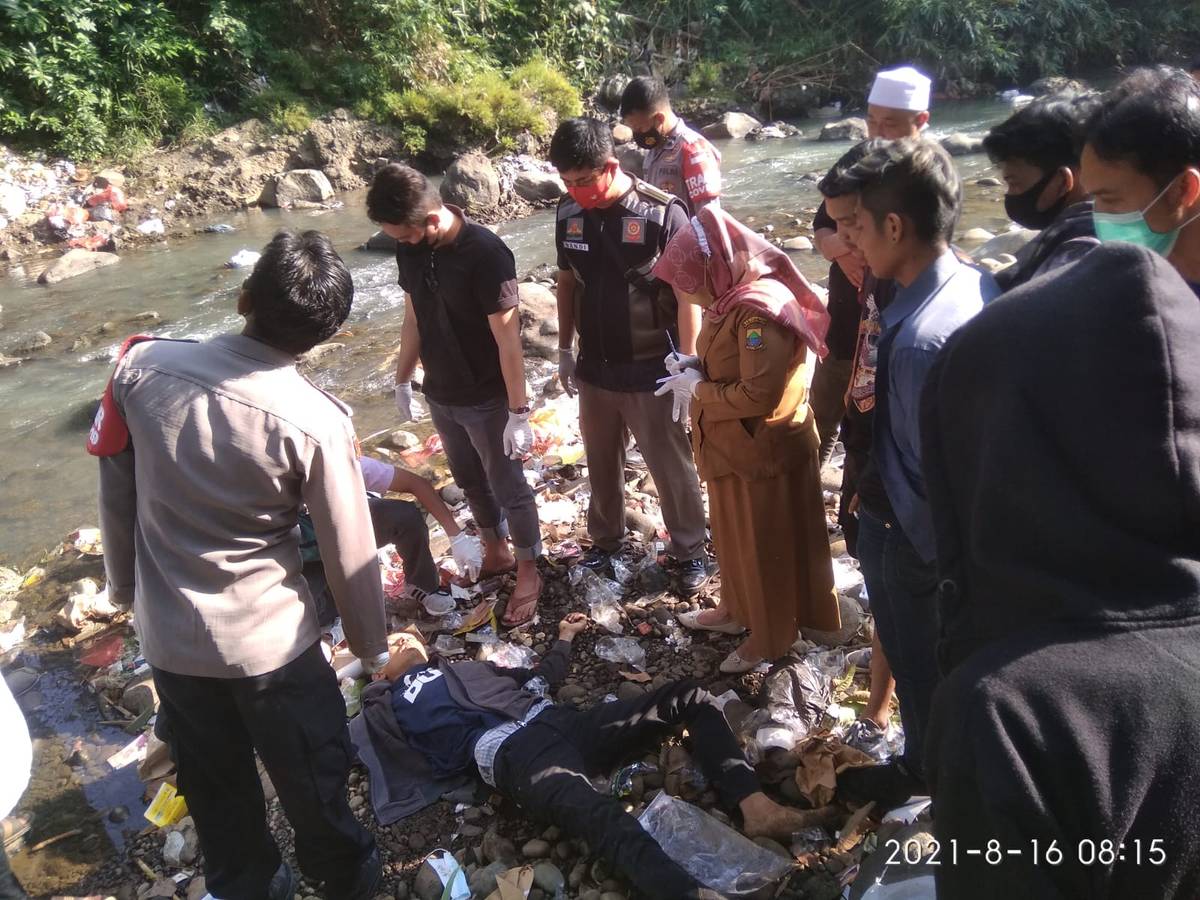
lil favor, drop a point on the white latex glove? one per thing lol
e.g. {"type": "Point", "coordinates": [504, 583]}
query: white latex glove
{"type": "Point", "coordinates": [566, 371]}
{"type": "Point", "coordinates": [468, 554]}
{"type": "Point", "coordinates": [676, 363]}
{"type": "Point", "coordinates": [683, 389]}
{"type": "Point", "coordinates": [373, 665]}
{"type": "Point", "coordinates": [518, 435]}
{"type": "Point", "coordinates": [404, 401]}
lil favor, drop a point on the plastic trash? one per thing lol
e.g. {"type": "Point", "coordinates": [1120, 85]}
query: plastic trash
{"type": "Point", "coordinates": [538, 685]}
{"type": "Point", "coordinates": [152, 227]}
{"type": "Point", "coordinates": [711, 852]}
{"type": "Point", "coordinates": [507, 656]}
{"type": "Point", "coordinates": [219, 228]}
{"type": "Point", "coordinates": [167, 807]}
{"type": "Point", "coordinates": [243, 259]}
{"type": "Point", "coordinates": [652, 577]}
{"type": "Point", "coordinates": [453, 876]}
{"type": "Point", "coordinates": [622, 781]}
{"type": "Point", "coordinates": [598, 589]}
{"type": "Point", "coordinates": [438, 604]}
{"type": "Point", "coordinates": [677, 638]}
{"type": "Point", "coordinates": [622, 573]}
{"type": "Point", "coordinates": [796, 696]}
{"type": "Point", "coordinates": [607, 615]}
{"type": "Point", "coordinates": [448, 645]}
{"type": "Point", "coordinates": [621, 650]}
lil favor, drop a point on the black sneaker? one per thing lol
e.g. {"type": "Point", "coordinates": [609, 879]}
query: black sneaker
{"type": "Point", "coordinates": [283, 884]}
{"type": "Point", "coordinates": [693, 575]}
{"type": "Point", "coordinates": [599, 561]}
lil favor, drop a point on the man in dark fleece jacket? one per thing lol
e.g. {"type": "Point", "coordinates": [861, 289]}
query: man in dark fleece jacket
{"type": "Point", "coordinates": [459, 718]}
{"type": "Point", "coordinates": [1061, 429]}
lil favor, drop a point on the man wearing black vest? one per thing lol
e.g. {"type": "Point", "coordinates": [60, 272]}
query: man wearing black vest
{"type": "Point", "coordinates": [610, 233]}
{"type": "Point", "coordinates": [461, 323]}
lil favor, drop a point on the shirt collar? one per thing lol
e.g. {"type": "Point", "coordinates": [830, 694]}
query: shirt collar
{"type": "Point", "coordinates": [254, 349]}
{"type": "Point", "coordinates": [929, 282]}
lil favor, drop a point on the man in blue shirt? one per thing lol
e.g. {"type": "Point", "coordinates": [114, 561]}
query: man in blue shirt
{"type": "Point", "coordinates": [909, 197]}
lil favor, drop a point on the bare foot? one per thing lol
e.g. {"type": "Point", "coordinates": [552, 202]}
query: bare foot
{"type": "Point", "coordinates": [763, 817]}
{"type": "Point", "coordinates": [523, 603]}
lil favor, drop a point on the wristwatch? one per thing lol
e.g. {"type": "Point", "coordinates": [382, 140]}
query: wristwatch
{"type": "Point", "coordinates": [519, 411]}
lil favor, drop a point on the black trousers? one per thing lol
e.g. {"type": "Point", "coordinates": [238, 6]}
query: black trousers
{"type": "Point", "coordinates": [396, 522]}
{"type": "Point", "coordinates": [295, 718]}
{"type": "Point", "coordinates": [10, 888]}
{"type": "Point", "coordinates": [545, 767]}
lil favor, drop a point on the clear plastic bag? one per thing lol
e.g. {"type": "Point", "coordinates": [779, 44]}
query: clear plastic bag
{"type": "Point", "coordinates": [507, 656]}
{"type": "Point", "coordinates": [796, 696]}
{"type": "Point", "coordinates": [448, 645]}
{"type": "Point", "coordinates": [608, 616]}
{"type": "Point", "coordinates": [711, 852]}
{"type": "Point", "coordinates": [621, 650]}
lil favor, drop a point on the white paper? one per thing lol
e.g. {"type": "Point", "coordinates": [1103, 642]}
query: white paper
{"type": "Point", "coordinates": [447, 867]}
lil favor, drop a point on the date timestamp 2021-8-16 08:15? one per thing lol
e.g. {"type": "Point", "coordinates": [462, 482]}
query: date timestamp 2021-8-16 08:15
{"type": "Point", "coordinates": [1049, 853]}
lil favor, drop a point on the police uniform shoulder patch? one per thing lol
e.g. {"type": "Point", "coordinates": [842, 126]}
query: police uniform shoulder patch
{"type": "Point", "coordinates": [633, 230]}
{"type": "Point", "coordinates": [755, 337]}
{"type": "Point", "coordinates": [575, 227]}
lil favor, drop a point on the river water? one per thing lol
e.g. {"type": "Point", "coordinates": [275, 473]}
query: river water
{"type": "Point", "coordinates": [47, 481]}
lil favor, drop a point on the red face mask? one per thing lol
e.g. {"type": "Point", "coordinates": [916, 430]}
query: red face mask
{"type": "Point", "coordinates": [592, 195]}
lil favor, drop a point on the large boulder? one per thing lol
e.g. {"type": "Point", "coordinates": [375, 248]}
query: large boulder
{"type": "Point", "coordinates": [472, 183]}
{"type": "Point", "coordinates": [732, 125]}
{"type": "Point", "coordinates": [539, 320]}
{"type": "Point", "coordinates": [610, 91]}
{"type": "Point", "coordinates": [1056, 84]}
{"type": "Point", "coordinates": [852, 129]}
{"type": "Point", "coordinates": [538, 187]}
{"type": "Point", "coordinates": [774, 131]}
{"type": "Point", "coordinates": [298, 185]}
{"type": "Point", "coordinates": [76, 262]}
{"type": "Point", "coordinates": [379, 243]}
{"type": "Point", "coordinates": [1007, 243]}
{"type": "Point", "coordinates": [959, 144]}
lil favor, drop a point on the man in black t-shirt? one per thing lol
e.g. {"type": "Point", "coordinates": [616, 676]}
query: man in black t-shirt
{"type": "Point", "coordinates": [461, 323]}
{"type": "Point", "coordinates": [610, 232]}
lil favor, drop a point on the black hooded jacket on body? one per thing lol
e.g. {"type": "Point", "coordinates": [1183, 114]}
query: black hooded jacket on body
{"type": "Point", "coordinates": [1061, 438]}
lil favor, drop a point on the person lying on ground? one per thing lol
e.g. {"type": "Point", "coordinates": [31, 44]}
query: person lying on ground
{"type": "Point", "coordinates": [1065, 730]}
{"type": "Point", "coordinates": [428, 725]}
{"type": "Point", "coordinates": [402, 524]}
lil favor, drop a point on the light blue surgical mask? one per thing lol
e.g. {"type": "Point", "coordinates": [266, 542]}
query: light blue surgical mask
{"type": "Point", "coordinates": [1132, 227]}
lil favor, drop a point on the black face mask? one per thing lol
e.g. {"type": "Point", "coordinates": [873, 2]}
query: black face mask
{"type": "Point", "coordinates": [647, 140]}
{"type": "Point", "coordinates": [1022, 208]}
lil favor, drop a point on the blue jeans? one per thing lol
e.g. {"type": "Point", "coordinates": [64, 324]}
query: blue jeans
{"type": "Point", "coordinates": [903, 590]}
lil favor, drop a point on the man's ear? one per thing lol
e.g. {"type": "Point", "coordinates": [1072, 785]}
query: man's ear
{"type": "Point", "coordinates": [922, 119]}
{"type": "Point", "coordinates": [244, 306]}
{"type": "Point", "coordinates": [1189, 188]}
{"type": "Point", "coordinates": [893, 227]}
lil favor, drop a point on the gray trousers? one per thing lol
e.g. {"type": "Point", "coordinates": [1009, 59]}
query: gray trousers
{"type": "Point", "coordinates": [606, 418]}
{"type": "Point", "coordinates": [500, 498]}
{"type": "Point", "coordinates": [828, 400]}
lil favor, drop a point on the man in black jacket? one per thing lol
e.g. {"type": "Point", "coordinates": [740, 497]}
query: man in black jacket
{"type": "Point", "coordinates": [1061, 433]}
{"type": "Point", "coordinates": [469, 717]}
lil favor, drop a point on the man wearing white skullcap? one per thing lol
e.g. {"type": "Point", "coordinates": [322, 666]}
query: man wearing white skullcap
{"type": "Point", "coordinates": [898, 107]}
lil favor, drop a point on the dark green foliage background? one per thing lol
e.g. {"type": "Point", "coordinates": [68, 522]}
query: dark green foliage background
{"type": "Point", "coordinates": [93, 78]}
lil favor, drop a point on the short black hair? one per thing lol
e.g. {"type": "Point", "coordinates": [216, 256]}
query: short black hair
{"type": "Point", "coordinates": [1047, 134]}
{"type": "Point", "coordinates": [1150, 120]}
{"type": "Point", "coordinates": [300, 291]}
{"type": "Point", "coordinates": [645, 95]}
{"type": "Point", "coordinates": [913, 177]}
{"type": "Point", "coordinates": [400, 195]}
{"type": "Point", "coordinates": [831, 185]}
{"type": "Point", "coordinates": [583, 143]}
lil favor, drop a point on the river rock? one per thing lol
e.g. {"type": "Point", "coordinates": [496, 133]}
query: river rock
{"type": "Point", "coordinates": [632, 159]}
{"type": "Point", "coordinates": [732, 125]}
{"type": "Point", "coordinates": [959, 144]}
{"type": "Point", "coordinates": [536, 849]}
{"type": "Point", "coordinates": [852, 129]}
{"type": "Point", "coordinates": [549, 878]}
{"type": "Point", "coordinates": [483, 882]}
{"type": "Point", "coordinates": [12, 201]}
{"type": "Point", "coordinates": [774, 131]}
{"type": "Point", "coordinates": [76, 262]}
{"type": "Point", "coordinates": [315, 354]}
{"type": "Point", "coordinates": [453, 494]}
{"type": "Point", "coordinates": [610, 91]}
{"type": "Point", "coordinates": [112, 177]}
{"type": "Point", "coordinates": [989, 181]}
{"type": "Point", "coordinates": [403, 440]}
{"type": "Point", "coordinates": [851, 620]}
{"type": "Point", "coordinates": [569, 693]}
{"type": "Point", "coordinates": [1008, 242]}
{"type": "Point", "coordinates": [9, 361]}
{"type": "Point", "coordinates": [472, 183]}
{"type": "Point", "coordinates": [140, 696]}
{"type": "Point", "coordinates": [539, 311]}
{"type": "Point", "coordinates": [622, 134]}
{"type": "Point", "coordinates": [428, 885]}
{"type": "Point", "coordinates": [497, 848]}
{"type": "Point", "coordinates": [1056, 84]}
{"type": "Point", "coordinates": [800, 242]}
{"type": "Point", "coordinates": [974, 236]}
{"type": "Point", "coordinates": [379, 243]}
{"type": "Point", "coordinates": [538, 187]}
{"type": "Point", "coordinates": [311, 185]}
{"type": "Point", "coordinates": [39, 340]}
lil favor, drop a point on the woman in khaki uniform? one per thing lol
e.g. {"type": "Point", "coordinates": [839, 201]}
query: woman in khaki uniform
{"type": "Point", "coordinates": [753, 433]}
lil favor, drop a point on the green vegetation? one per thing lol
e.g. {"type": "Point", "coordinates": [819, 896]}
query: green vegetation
{"type": "Point", "coordinates": [95, 78]}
